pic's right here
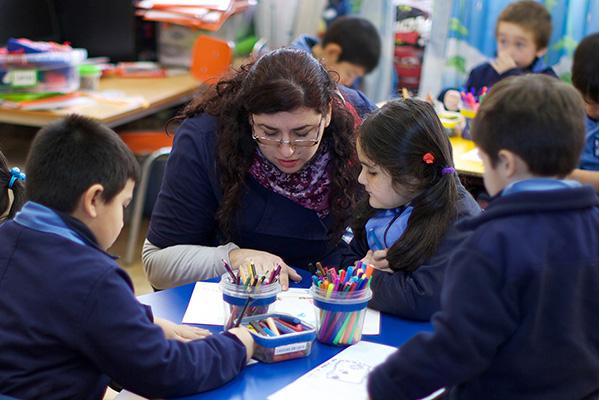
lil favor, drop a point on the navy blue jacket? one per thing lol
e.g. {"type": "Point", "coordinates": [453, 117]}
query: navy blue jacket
{"type": "Point", "coordinates": [361, 103]}
{"type": "Point", "coordinates": [485, 75]}
{"type": "Point", "coordinates": [70, 322]}
{"type": "Point", "coordinates": [191, 194]}
{"type": "Point", "coordinates": [519, 316]}
{"type": "Point", "coordinates": [415, 295]}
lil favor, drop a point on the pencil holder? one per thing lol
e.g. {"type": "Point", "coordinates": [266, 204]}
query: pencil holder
{"type": "Point", "coordinates": [469, 116]}
{"type": "Point", "coordinates": [340, 315]}
{"type": "Point", "coordinates": [235, 297]}
{"type": "Point", "coordinates": [291, 337]}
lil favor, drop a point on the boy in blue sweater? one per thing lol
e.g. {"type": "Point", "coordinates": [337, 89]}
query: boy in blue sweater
{"type": "Point", "coordinates": [350, 47]}
{"type": "Point", "coordinates": [519, 314]}
{"type": "Point", "coordinates": [522, 34]}
{"type": "Point", "coordinates": [585, 79]}
{"type": "Point", "coordinates": [70, 321]}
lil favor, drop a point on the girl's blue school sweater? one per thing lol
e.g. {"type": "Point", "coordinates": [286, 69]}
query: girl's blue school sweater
{"type": "Point", "coordinates": [416, 294]}
{"type": "Point", "coordinates": [519, 317]}
{"type": "Point", "coordinates": [70, 321]}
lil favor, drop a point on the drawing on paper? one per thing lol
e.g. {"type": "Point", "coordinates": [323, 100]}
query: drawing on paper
{"type": "Point", "coordinates": [348, 371]}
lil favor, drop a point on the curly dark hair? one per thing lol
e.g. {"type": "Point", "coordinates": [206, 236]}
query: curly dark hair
{"type": "Point", "coordinates": [395, 138]}
{"type": "Point", "coordinates": [282, 80]}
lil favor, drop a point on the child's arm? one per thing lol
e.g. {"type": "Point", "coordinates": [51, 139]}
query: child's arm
{"type": "Point", "coordinates": [413, 295]}
{"type": "Point", "coordinates": [586, 177]}
{"type": "Point", "coordinates": [475, 319]}
{"type": "Point", "coordinates": [118, 336]}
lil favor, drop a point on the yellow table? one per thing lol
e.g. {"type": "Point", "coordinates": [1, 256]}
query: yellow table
{"type": "Point", "coordinates": [156, 94]}
{"type": "Point", "coordinates": [465, 160]}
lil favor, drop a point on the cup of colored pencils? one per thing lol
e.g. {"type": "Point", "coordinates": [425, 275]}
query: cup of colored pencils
{"type": "Point", "coordinates": [246, 282]}
{"type": "Point", "coordinates": [340, 298]}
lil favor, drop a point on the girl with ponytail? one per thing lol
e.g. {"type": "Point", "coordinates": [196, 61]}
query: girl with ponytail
{"type": "Point", "coordinates": [414, 197]}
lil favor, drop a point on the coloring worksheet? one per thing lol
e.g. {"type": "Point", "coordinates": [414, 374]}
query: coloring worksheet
{"type": "Point", "coordinates": [341, 377]}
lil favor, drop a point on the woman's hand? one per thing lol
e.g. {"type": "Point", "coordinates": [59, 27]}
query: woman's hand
{"type": "Point", "coordinates": [378, 260]}
{"type": "Point", "coordinates": [264, 262]}
{"type": "Point", "coordinates": [183, 333]}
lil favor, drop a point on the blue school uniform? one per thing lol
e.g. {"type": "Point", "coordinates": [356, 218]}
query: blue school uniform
{"type": "Point", "coordinates": [485, 75]}
{"type": "Point", "coordinates": [361, 103]}
{"type": "Point", "coordinates": [70, 321]}
{"type": "Point", "coordinates": [519, 317]}
{"type": "Point", "coordinates": [589, 157]}
{"type": "Point", "coordinates": [416, 294]}
{"type": "Point", "coordinates": [191, 194]}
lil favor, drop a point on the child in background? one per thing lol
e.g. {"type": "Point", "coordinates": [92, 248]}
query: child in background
{"type": "Point", "coordinates": [12, 190]}
{"type": "Point", "coordinates": [414, 197]}
{"type": "Point", "coordinates": [522, 34]}
{"type": "Point", "coordinates": [519, 317]}
{"type": "Point", "coordinates": [67, 302]}
{"type": "Point", "coordinates": [585, 79]}
{"type": "Point", "coordinates": [350, 47]}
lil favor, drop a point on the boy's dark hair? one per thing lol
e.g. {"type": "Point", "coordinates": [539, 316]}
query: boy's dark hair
{"type": "Point", "coordinates": [69, 156]}
{"type": "Point", "coordinates": [585, 68]}
{"type": "Point", "coordinates": [17, 187]}
{"type": "Point", "coordinates": [358, 39]}
{"type": "Point", "coordinates": [537, 117]}
{"type": "Point", "coordinates": [532, 17]}
{"type": "Point", "coordinates": [396, 138]}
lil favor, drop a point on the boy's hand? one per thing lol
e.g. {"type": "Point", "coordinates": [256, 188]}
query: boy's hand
{"type": "Point", "coordinates": [183, 333]}
{"type": "Point", "coordinates": [503, 63]}
{"type": "Point", "coordinates": [264, 262]}
{"type": "Point", "coordinates": [452, 100]}
{"type": "Point", "coordinates": [246, 338]}
{"type": "Point", "coordinates": [378, 260]}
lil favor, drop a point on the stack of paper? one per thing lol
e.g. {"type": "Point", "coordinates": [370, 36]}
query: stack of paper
{"type": "Point", "coordinates": [202, 14]}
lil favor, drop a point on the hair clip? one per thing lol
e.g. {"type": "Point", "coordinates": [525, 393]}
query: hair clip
{"type": "Point", "coordinates": [15, 175]}
{"type": "Point", "coordinates": [428, 158]}
{"type": "Point", "coordinates": [448, 170]}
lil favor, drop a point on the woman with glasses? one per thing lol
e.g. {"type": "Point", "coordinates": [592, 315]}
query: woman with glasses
{"type": "Point", "coordinates": [263, 168]}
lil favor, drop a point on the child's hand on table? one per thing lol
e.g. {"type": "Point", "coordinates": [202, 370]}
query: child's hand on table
{"type": "Point", "coordinates": [378, 260]}
{"type": "Point", "coordinates": [246, 339]}
{"type": "Point", "coordinates": [183, 333]}
{"type": "Point", "coordinates": [452, 100]}
{"type": "Point", "coordinates": [264, 262]}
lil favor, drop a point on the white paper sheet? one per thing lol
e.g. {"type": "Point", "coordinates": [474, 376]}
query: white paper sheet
{"type": "Point", "coordinates": [206, 307]}
{"type": "Point", "coordinates": [125, 395]}
{"type": "Point", "coordinates": [341, 377]}
{"type": "Point", "coordinates": [471, 155]}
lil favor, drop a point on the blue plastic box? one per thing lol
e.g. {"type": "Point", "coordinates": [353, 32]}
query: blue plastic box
{"type": "Point", "coordinates": [286, 346]}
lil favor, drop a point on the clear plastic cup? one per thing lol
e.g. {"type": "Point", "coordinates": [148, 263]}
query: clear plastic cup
{"type": "Point", "coordinates": [340, 316]}
{"type": "Point", "coordinates": [469, 117]}
{"type": "Point", "coordinates": [235, 297]}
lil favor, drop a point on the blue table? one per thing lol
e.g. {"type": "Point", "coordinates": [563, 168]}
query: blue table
{"type": "Point", "coordinates": [260, 380]}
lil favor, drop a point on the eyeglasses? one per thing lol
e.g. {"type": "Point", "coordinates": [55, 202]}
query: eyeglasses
{"type": "Point", "coordinates": [273, 141]}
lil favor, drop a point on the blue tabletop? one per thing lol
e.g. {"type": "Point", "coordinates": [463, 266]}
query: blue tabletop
{"type": "Point", "coordinates": [261, 380]}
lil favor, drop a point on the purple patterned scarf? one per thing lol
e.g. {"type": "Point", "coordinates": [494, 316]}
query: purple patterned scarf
{"type": "Point", "coordinates": [308, 187]}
